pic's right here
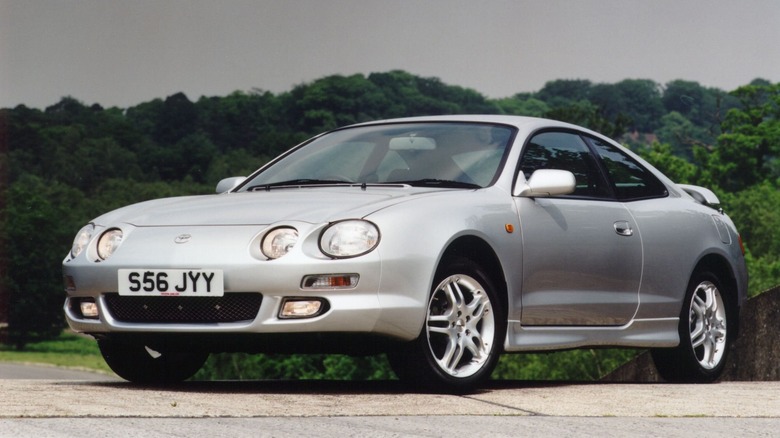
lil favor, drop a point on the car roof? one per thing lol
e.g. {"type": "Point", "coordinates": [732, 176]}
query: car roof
{"type": "Point", "coordinates": [523, 122]}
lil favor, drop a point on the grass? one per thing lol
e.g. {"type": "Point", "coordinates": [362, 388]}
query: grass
{"type": "Point", "coordinates": [68, 350]}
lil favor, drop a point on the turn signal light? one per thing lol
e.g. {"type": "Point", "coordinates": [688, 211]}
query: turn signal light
{"type": "Point", "coordinates": [330, 281]}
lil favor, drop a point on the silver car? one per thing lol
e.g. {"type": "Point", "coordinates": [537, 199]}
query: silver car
{"type": "Point", "coordinates": [443, 241]}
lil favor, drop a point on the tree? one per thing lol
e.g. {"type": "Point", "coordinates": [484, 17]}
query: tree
{"type": "Point", "coordinates": [748, 149]}
{"type": "Point", "coordinates": [334, 101]}
{"type": "Point", "coordinates": [520, 105]}
{"type": "Point", "coordinates": [38, 230]}
{"type": "Point", "coordinates": [242, 120]}
{"type": "Point", "coordinates": [682, 135]}
{"type": "Point", "coordinates": [677, 168]}
{"type": "Point", "coordinates": [757, 212]}
{"type": "Point", "coordinates": [687, 98]}
{"type": "Point", "coordinates": [640, 101]}
{"type": "Point", "coordinates": [178, 117]}
{"type": "Point", "coordinates": [589, 116]}
{"type": "Point", "coordinates": [565, 92]}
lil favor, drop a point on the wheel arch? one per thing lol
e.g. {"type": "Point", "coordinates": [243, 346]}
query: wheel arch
{"type": "Point", "coordinates": [719, 266]}
{"type": "Point", "coordinates": [480, 252]}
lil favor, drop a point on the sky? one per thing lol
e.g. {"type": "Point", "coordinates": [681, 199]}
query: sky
{"type": "Point", "coordinates": [125, 52]}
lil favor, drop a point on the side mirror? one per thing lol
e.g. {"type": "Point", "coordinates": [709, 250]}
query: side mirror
{"type": "Point", "coordinates": [229, 184]}
{"type": "Point", "coordinates": [546, 182]}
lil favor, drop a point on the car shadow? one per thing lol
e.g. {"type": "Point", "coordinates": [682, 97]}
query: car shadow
{"type": "Point", "coordinates": [333, 387]}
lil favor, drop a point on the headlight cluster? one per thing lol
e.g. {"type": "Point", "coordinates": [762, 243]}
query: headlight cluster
{"type": "Point", "coordinates": [81, 240]}
{"type": "Point", "coordinates": [279, 242]}
{"type": "Point", "coordinates": [107, 244]}
{"type": "Point", "coordinates": [350, 238]}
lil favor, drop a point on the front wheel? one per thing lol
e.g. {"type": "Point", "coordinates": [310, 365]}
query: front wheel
{"type": "Point", "coordinates": [462, 337]}
{"type": "Point", "coordinates": [159, 364]}
{"type": "Point", "coordinates": [706, 327]}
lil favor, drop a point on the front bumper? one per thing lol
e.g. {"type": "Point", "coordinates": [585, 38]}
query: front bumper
{"type": "Point", "coordinates": [384, 302]}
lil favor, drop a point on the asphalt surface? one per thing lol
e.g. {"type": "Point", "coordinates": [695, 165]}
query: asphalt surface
{"type": "Point", "coordinates": [95, 405]}
{"type": "Point", "coordinates": [16, 371]}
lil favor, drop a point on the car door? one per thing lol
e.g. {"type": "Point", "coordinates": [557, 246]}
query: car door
{"type": "Point", "coordinates": [582, 253]}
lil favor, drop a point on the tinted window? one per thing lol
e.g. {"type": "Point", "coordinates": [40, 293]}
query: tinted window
{"type": "Point", "coordinates": [565, 151]}
{"type": "Point", "coordinates": [631, 180]}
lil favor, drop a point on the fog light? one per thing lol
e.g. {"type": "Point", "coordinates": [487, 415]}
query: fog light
{"type": "Point", "coordinates": [301, 308]}
{"type": "Point", "coordinates": [89, 309]}
{"type": "Point", "coordinates": [330, 281]}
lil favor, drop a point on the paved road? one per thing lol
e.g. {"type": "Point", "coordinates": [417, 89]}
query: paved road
{"type": "Point", "coordinates": [12, 370]}
{"type": "Point", "coordinates": [83, 408]}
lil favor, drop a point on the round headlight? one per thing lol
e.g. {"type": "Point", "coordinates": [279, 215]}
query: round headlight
{"type": "Point", "coordinates": [349, 238]}
{"type": "Point", "coordinates": [109, 242]}
{"type": "Point", "coordinates": [279, 242]}
{"type": "Point", "coordinates": [82, 240]}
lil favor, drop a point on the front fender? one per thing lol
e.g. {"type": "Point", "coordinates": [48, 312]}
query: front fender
{"type": "Point", "coordinates": [413, 245]}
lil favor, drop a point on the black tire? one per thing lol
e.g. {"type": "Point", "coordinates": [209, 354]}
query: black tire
{"type": "Point", "coordinates": [707, 326]}
{"type": "Point", "coordinates": [139, 363]}
{"type": "Point", "coordinates": [463, 335]}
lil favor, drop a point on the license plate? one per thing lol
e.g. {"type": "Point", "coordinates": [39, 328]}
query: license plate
{"type": "Point", "coordinates": [171, 282]}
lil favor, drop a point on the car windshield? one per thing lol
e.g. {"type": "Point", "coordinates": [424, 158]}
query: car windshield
{"type": "Point", "coordinates": [456, 155]}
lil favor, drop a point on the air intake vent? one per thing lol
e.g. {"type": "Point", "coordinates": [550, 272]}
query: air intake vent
{"type": "Point", "coordinates": [233, 307]}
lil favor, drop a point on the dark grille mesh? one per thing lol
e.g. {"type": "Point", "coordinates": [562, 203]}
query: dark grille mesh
{"type": "Point", "coordinates": [228, 308]}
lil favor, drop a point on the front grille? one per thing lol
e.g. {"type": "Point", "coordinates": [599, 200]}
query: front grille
{"type": "Point", "coordinates": [232, 307]}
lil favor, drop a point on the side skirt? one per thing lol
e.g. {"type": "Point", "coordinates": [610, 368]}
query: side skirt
{"type": "Point", "coordinates": [641, 333]}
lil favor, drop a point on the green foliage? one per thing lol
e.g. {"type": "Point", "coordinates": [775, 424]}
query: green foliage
{"type": "Point", "coordinates": [748, 149]}
{"type": "Point", "coordinates": [757, 212]}
{"type": "Point", "coordinates": [764, 273]}
{"type": "Point", "coordinates": [682, 135]}
{"type": "Point", "coordinates": [37, 231]}
{"type": "Point", "coordinates": [631, 105]}
{"type": "Point", "coordinates": [564, 92]}
{"type": "Point", "coordinates": [66, 350]}
{"type": "Point", "coordinates": [590, 116]}
{"type": "Point", "coordinates": [677, 168]}
{"type": "Point", "coordinates": [704, 107]}
{"type": "Point", "coordinates": [585, 364]}
{"type": "Point", "coordinates": [522, 106]}
{"type": "Point", "coordinates": [240, 366]}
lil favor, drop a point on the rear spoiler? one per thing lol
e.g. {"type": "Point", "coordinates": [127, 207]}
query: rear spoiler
{"type": "Point", "coordinates": [701, 195]}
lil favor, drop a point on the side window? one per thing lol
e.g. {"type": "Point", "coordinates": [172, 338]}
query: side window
{"type": "Point", "coordinates": [631, 180]}
{"type": "Point", "coordinates": [565, 151]}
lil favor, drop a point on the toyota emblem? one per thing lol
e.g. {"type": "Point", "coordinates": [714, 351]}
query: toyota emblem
{"type": "Point", "coordinates": [183, 238]}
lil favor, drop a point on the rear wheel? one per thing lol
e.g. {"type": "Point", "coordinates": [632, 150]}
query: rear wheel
{"type": "Point", "coordinates": [706, 327]}
{"type": "Point", "coordinates": [462, 337]}
{"type": "Point", "coordinates": [140, 363]}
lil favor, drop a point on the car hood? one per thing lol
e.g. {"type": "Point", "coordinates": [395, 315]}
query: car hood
{"type": "Point", "coordinates": [308, 204]}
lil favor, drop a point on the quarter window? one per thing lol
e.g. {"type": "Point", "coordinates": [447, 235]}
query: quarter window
{"type": "Point", "coordinates": [631, 180]}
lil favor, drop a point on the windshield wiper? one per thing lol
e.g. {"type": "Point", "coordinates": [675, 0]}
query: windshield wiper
{"type": "Point", "coordinates": [296, 183]}
{"type": "Point", "coordinates": [433, 182]}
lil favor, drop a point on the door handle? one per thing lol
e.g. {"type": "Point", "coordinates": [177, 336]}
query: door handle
{"type": "Point", "coordinates": [623, 228]}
